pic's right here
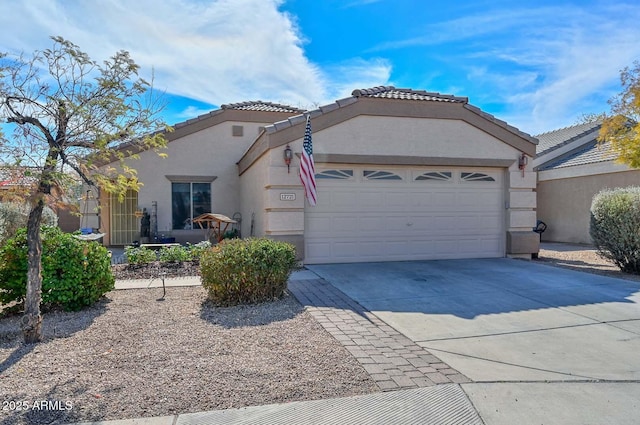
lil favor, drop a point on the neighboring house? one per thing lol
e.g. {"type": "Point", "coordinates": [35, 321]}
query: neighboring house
{"type": "Point", "coordinates": [16, 183]}
{"type": "Point", "coordinates": [572, 167]}
{"type": "Point", "coordinates": [402, 175]}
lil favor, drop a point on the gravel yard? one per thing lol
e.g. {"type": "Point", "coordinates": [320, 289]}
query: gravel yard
{"type": "Point", "coordinates": [133, 356]}
{"type": "Point", "coordinates": [582, 258]}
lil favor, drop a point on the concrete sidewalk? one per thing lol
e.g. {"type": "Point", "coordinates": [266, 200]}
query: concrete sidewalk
{"type": "Point", "coordinates": [443, 404]}
{"type": "Point", "coordinates": [448, 404]}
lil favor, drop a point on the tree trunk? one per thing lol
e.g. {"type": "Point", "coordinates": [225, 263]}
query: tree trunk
{"type": "Point", "coordinates": [32, 320]}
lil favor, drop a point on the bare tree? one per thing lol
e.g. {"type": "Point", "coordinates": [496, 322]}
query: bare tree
{"type": "Point", "coordinates": [71, 113]}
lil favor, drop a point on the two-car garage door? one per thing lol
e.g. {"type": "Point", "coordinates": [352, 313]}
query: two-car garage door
{"type": "Point", "coordinates": [371, 213]}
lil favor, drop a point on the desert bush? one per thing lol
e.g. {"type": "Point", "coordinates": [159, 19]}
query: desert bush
{"type": "Point", "coordinates": [14, 216]}
{"type": "Point", "coordinates": [74, 273]}
{"type": "Point", "coordinates": [615, 226]}
{"type": "Point", "coordinates": [196, 251]}
{"type": "Point", "coordinates": [176, 253]}
{"type": "Point", "coordinates": [245, 271]}
{"type": "Point", "coordinates": [139, 255]}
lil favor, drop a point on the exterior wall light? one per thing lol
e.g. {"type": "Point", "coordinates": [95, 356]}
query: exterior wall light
{"type": "Point", "coordinates": [288, 154]}
{"type": "Point", "coordinates": [522, 163]}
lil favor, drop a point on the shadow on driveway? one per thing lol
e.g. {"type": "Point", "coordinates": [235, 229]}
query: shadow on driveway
{"type": "Point", "coordinates": [503, 319]}
{"type": "Point", "coordinates": [471, 288]}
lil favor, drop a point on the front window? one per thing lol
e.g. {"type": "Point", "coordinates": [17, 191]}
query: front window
{"type": "Point", "coordinates": [189, 201]}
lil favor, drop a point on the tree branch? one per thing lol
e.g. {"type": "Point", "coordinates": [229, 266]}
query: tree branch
{"type": "Point", "coordinates": [83, 176]}
{"type": "Point", "coordinates": [18, 118]}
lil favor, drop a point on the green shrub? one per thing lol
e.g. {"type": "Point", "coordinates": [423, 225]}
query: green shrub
{"type": "Point", "coordinates": [243, 271]}
{"type": "Point", "coordinates": [14, 215]}
{"type": "Point", "coordinates": [175, 253]}
{"type": "Point", "coordinates": [196, 251]}
{"type": "Point", "coordinates": [230, 234]}
{"type": "Point", "coordinates": [615, 226]}
{"type": "Point", "coordinates": [74, 273]}
{"type": "Point", "coordinates": [140, 256]}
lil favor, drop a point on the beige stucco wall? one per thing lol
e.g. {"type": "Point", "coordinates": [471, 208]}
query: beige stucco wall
{"type": "Point", "coordinates": [210, 152]}
{"type": "Point", "coordinates": [261, 188]}
{"type": "Point", "coordinates": [252, 187]}
{"type": "Point", "coordinates": [366, 135]}
{"type": "Point", "coordinates": [380, 137]}
{"type": "Point", "coordinates": [564, 204]}
{"type": "Point", "coordinates": [521, 198]}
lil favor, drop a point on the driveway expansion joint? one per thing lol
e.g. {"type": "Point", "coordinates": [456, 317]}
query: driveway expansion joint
{"type": "Point", "coordinates": [392, 360]}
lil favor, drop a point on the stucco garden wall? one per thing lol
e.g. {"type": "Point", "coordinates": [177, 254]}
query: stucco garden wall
{"type": "Point", "coordinates": [564, 204]}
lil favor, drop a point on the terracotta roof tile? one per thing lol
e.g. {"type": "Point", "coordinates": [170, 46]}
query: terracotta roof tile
{"type": "Point", "coordinates": [390, 92]}
{"type": "Point", "coordinates": [18, 176]}
{"type": "Point", "coordinates": [500, 122]}
{"type": "Point", "coordinates": [261, 106]}
{"type": "Point", "coordinates": [256, 105]}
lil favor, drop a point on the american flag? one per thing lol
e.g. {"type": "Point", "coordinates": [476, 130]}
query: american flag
{"type": "Point", "coordinates": [307, 167]}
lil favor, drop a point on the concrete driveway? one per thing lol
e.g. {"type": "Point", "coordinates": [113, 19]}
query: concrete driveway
{"type": "Point", "coordinates": [535, 339]}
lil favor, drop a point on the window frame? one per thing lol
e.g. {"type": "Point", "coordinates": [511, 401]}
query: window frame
{"type": "Point", "coordinates": [191, 180]}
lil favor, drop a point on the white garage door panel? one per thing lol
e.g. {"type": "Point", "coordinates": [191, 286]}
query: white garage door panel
{"type": "Point", "coordinates": [388, 226]}
{"type": "Point", "coordinates": [346, 252]}
{"type": "Point", "coordinates": [380, 220]}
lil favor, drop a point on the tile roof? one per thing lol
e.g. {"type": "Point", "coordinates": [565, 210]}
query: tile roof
{"type": "Point", "coordinates": [390, 92]}
{"type": "Point", "coordinates": [17, 176]}
{"type": "Point", "coordinates": [589, 153]}
{"type": "Point", "coordinates": [256, 105]}
{"type": "Point", "coordinates": [261, 106]}
{"type": "Point", "coordinates": [552, 140]}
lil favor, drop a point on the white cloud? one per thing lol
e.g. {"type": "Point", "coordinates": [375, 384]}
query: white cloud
{"type": "Point", "coordinates": [567, 67]}
{"type": "Point", "coordinates": [219, 51]}
{"type": "Point", "coordinates": [469, 27]}
{"type": "Point", "coordinates": [579, 71]}
{"type": "Point", "coordinates": [358, 3]}
{"type": "Point", "coordinates": [192, 112]}
{"type": "Point", "coordinates": [544, 66]}
{"type": "Point", "coordinates": [361, 74]}
{"type": "Point", "coordinates": [541, 67]}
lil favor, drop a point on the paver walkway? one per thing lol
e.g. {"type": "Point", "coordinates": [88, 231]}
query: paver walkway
{"type": "Point", "coordinates": [393, 360]}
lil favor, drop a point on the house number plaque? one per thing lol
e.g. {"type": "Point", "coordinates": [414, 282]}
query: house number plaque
{"type": "Point", "coordinates": [287, 196]}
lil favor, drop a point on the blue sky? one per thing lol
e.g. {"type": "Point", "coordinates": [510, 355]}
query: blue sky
{"type": "Point", "coordinates": [539, 65]}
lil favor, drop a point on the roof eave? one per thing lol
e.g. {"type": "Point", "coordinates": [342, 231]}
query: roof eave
{"type": "Point", "coordinates": [565, 148]}
{"type": "Point", "coordinates": [286, 131]}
